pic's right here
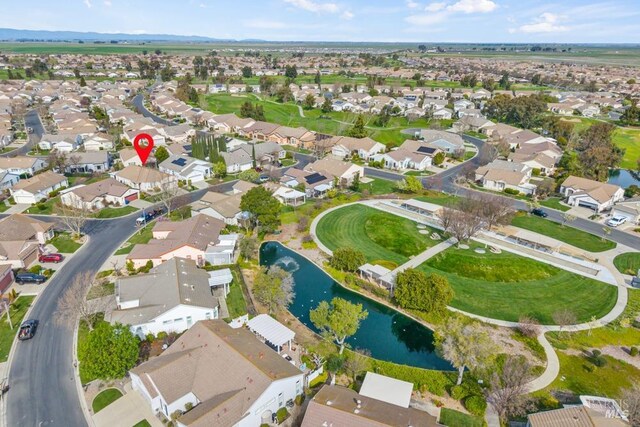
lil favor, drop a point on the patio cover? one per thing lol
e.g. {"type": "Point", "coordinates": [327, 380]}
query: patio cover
{"type": "Point", "coordinates": [271, 330]}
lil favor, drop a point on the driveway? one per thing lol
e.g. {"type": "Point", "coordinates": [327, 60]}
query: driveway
{"type": "Point", "coordinates": [129, 410]}
{"type": "Point", "coordinates": [17, 208]}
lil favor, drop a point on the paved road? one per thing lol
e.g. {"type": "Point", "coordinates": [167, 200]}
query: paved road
{"type": "Point", "coordinates": [138, 103]}
{"type": "Point", "coordinates": [44, 365]}
{"type": "Point", "coordinates": [31, 119]}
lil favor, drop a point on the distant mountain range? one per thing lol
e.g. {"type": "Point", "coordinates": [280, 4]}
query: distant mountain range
{"type": "Point", "coordinates": [10, 34]}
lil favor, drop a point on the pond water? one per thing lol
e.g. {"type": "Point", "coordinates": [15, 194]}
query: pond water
{"type": "Point", "coordinates": [386, 333]}
{"type": "Point", "coordinates": [624, 178]}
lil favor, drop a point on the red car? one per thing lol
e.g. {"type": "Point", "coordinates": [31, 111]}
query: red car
{"type": "Point", "coordinates": [50, 258]}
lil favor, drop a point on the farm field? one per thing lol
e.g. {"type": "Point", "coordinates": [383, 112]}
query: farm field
{"type": "Point", "coordinates": [505, 286]}
{"type": "Point", "coordinates": [379, 235]}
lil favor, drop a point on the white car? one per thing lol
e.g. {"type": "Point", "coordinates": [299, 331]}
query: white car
{"type": "Point", "coordinates": [616, 221]}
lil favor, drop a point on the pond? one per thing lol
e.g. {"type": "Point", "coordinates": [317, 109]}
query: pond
{"type": "Point", "coordinates": [624, 178]}
{"type": "Point", "coordinates": [386, 333]}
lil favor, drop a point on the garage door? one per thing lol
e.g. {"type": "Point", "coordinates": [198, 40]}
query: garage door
{"type": "Point", "coordinates": [131, 198]}
{"type": "Point", "coordinates": [588, 205]}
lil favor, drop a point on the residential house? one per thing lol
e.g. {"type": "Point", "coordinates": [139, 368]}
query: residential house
{"type": "Point", "coordinates": [501, 174]}
{"type": "Point", "coordinates": [417, 155]}
{"type": "Point", "coordinates": [224, 207]}
{"type": "Point", "coordinates": [227, 376]}
{"type": "Point", "coordinates": [8, 180]}
{"type": "Point", "coordinates": [591, 194]}
{"type": "Point", "coordinates": [237, 160]}
{"type": "Point", "coordinates": [99, 195]}
{"type": "Point", "coordinates": [316, 184]}
{"type": "Point", "coordinates": [64, 143]}
{"type": "Point", "coordinates": [186, 168]}
{"type": "Point", "coordinates": [344, 172]}
{"type": "Point", "coordinates": [98, 142]}
{"type": "Point", "coordinates": [594, 411]}
{"type": "Point", "coordinates": [286, 195]}
{"type": "Point", "coordinates": [184, 239]}
{"type": "Point", "coordinates": [297, 137]}
{"type": "Point", "coordinates": [335, 405]}
{"type": "Point", "coordinates": [541, 162]}
{"type": "Point", "coordinates": [448, 142]}
{"type": "Point", "coordinates": [144, 178]}
{"type": "Point", "coordinates": [129, 156]}
{"type": "Point", "coordinates": [22, 165]}
{"type": "Point", "coordinates": [88, 162]}
{"type": "Point", "coordinates": [442, 114]}
{"type": "Point", "coordinates": [473, 124]}
{"type": "Point", "coordinates": [229, 123]}
{"type": "Point", "coordinates": [172, 297]}
{"type": "Point", "coordinates": [629, 209]}
{"type": "Point", "coordinates": [32, 190]}
{"type": "Point", "coordinates": [6, 277]}
{"type": "Point", "coordinates": [21, 238]}
{"type": "Point", "coordinates": [179, 134]}
{"type": "Point", "coordinates": [346, 146]}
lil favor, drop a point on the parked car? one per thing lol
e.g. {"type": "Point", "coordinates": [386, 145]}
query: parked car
{"type": "Point", "coordinates": [27, 277]}
{"type": "Point", "coordinates": [27, 330]}
{"type": "Point", "coordinates": [539, 212]}
{"type": "Point", "coordinates": [148, 216]}
{"type": "Point", "coordinates": [51, 258]}
{"type": "Point", "coordinates": [616, 221]}
{"type": "Point", "coordinates": [263, 179]}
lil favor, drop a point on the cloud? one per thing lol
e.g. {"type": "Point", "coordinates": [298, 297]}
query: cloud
{"type": "Point", "coordinates": [435, 7]}
{"type": "Point", "coordinates": [313, 6]}
{"type": "Point", "coordinates": [347, 15]}
{"type": "Point", "coordinates": [412, 4]}
{"type": "Point", "coordinates": [545, 23]}
{"type": "Point", "coordinates": [428, 19]}
{"type": "Point", "coordinates": [473, 6]}
{"type": "Point", "coordinates": [107, 3]}
{"type": "Point", "coordinates": [87, 3]}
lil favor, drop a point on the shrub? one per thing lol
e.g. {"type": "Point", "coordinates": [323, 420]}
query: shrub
{"type": "Point", "coordinates": [511, 191]}
{"type": "Point", "coordinates": [299, 399]}
{"type": "Point", "coordinates": [188, 406]}
{"type": "Point", "coordinates": [600, 361]}
{"type": "Point", "coordinates": [36, 269]}
{"type": "Point", "coordinates": [596, 353]}
{"type": "Point", "coordinates": [476, 405]}
{"type": "Point", "coordinates": [41, 206]}
{"type": "Point", "coordinates": [457, 392]}
{"type": "Point", "coordinates": [162, 335]}
{"type": "Point", "coordinates": [633, 351]}
{"type": "Point", "coordinates": [347, 259]}
{"type": "Point", "coordinates": [282, 415]}
{"type": "Point", "coordinates": [436, 382]}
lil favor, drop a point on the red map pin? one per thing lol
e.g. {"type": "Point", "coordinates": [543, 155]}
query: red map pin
{"type": "Point", "coordinates": [143, 150]}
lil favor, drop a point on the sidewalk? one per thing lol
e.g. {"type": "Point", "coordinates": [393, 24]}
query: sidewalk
{"type": "Point", "coordinates": [418, 259]}
{"type": "Point", "coordinates": [128, 410]}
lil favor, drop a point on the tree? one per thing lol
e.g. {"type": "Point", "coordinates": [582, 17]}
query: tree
{"type": "Point", "coordinates": [83, 83]}
{"type": "Point", "coordinates": [529, 326]}
{"type": "Point", "coordinates": [462, 225]}
{"type": "Point", "coordinates": [355, 184]}
{"type": "Point", "coordinates": [507, 391]}
{"type": "Point", "coordinates": [248, 247]}
{"type": "Point", "coordinates": [317, 79]}
{"type": "Point", "coordinates": [73, 218]}
{"type": "Point", "coordinates": [168, 191]}
{"type": "Point", "coordinates": [357, 130]}
{"type": "Point", "coordinates": [327, 106]}
{"type": "Point", "coordinates": [247, 72]}
{"type": "Point", "coordinates": [564, 317]}
{"type": "Point", "coordinates": [291, 71]}
{"type": "Point", "coordinates": [417, 290]}
{"type": "Point", "coordinates": [631, 403]}
{"type": "Point", "coordinates": [74, 305]}
{"type": "Point", "coordinates": [273, 288]}
{"type": "Point", "coordinates": [411, 184]}
{"type": "Point", "coordinates": [596, 151]}
{"type": "Point", "coordinates": [495, 210]}
{"type": "Point", "coordinates": [466, 346]}
{"type": "Point", "coordinates": [265, 209]}
{"type": "Point", "coordinates": [161, 154]}
{"type": "Point", "coordinates": [438, 159]}
{"type": "Point", "coordinates": [309, 101]}
{"type": "Point", "coordinates": [250, 175]}
{"type": "Point", "coordinates": [347, 259]}
{"type": "Point", "coordinates": [109, 351]}
{"type": "Point", "coordinates": [567, 217]}
{"type": "Point", "coordinates": [220, 169]}
{"type": "Point", "coordinates": [333, 364]}
{"type": "Point", "coordinates": [356, 362]}
{"type": "Point", "coordinates": [338, 320]}
{"type": "Point", "coordinates": [57, 161]}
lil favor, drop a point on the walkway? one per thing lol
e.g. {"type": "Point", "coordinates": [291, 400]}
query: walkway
{"type": "Point", "coordinates": [128, 410]}
{"type": "Point", "coordinates": [417, 260]}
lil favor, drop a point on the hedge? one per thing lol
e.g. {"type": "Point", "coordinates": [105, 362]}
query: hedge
{"type": "Point", "coordinates": [435, 382]}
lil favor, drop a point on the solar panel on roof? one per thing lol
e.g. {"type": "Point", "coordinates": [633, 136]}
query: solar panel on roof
{"type": "Point", "coordinates": [315, 177]}
{"type": "Point", "coordinates": [426, 150]}
{"type": "Point", "coordinates": [180, 162]}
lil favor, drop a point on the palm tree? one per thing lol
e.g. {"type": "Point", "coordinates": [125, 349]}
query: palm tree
{"type": "Point", "coordinates": [11, 298]}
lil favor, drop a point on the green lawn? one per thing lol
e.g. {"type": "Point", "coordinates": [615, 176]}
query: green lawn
{"type": "Point", "coordinates": [333, 123]}
{"type": "Point", "coordinates": [116, 212]}
{"type": "Point", "coordinates": [580, 376]}
{"type": "Point", "coordinates": [379, 235]}
{"type": "Point", "coordinates": [142, 236]}
{"type": "Point", "coordinates": [143, 423]}
{"type": "Point", "coordinates": [628, 263]}
{"type": "Point", "coordinates": [505, 286]}
{"type": "Point", "coordinates": [380, 186]}
{"type": "Point", "coordinates": [105, 398]}
{"type": "Point", "coordinates": [613, 333]}
{"type": "Point", "coordinates": [65, 244]}
{"type": "Point", "coordinates": [453, 418]}
{"type": "Point", "coordinates": [99, 291]}
{"type": "Point", "coordinates": [567, 234]}
{"type": "Point", "coordinates": [629, 139]}
{"type": "Point", "coordinates": [47, 207]}
{"type": "Point", "coordinates": [554, 203]}
{"type": "Point", "coordinates": [3, 207]}
{"type": "Point", "coordinates": [7, 335]}
{"type": "Point", "coordinates": [438, 198]}
{"type": "Point", "coordinates": [235, 300]}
